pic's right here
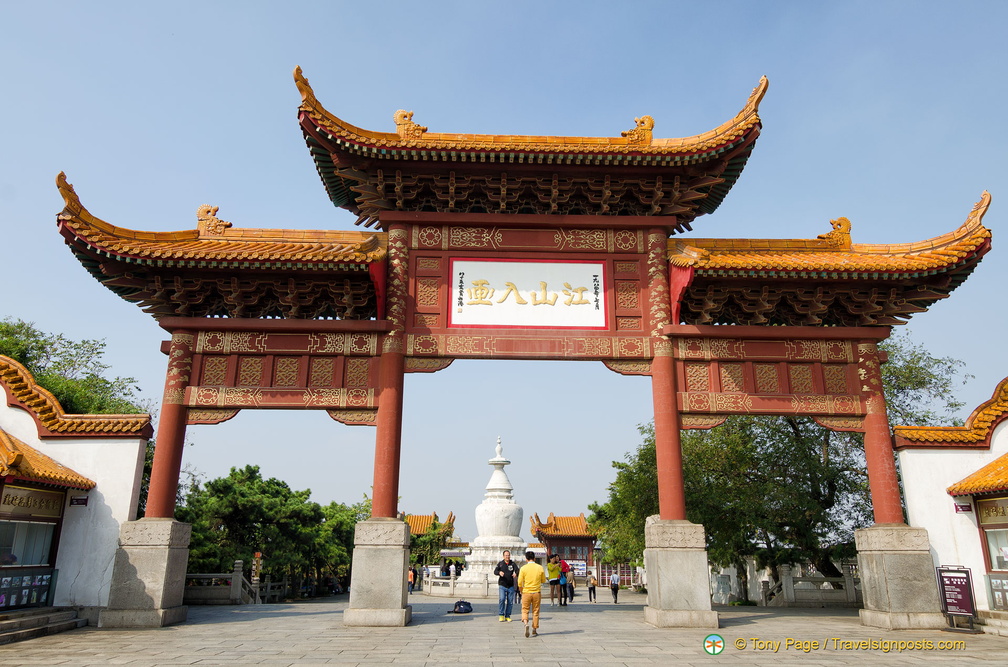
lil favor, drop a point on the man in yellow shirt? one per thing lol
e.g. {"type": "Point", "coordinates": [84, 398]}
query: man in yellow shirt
{"type": "Point", "coordinates": [531, 577]}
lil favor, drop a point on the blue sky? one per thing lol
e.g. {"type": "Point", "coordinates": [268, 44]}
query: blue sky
{"type": "Point", "coordinates": [888, 113]}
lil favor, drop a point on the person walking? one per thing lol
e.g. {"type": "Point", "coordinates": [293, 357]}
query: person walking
{"type": "Point", "coordinates": [592, 582]}
{"type": "Point", "coordinates": [531, 577]}
{"type": "Point", "coordinates": [614, 580]}
{"type": "Point", "coordinates": [411, 579]}
{"type": "Point", "coordinates": [506, 572]}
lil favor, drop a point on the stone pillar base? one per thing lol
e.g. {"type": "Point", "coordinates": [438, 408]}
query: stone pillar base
{"type": "Point", "coordinates": [378, 580]}
{"type": "Point", "coordinates": [898, 579]}
{"type": "Point", "coordinates": [678, 582]}
{"type": "Point", "coordinates": [148, 575]}
{"type": "Point", "coordinates": [903, 621]}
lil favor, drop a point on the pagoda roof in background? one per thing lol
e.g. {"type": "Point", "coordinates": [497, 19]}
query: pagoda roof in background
{"type": "Point", "coordinates": [419, 524]}
{"type": "Point", "coordinates": [21, 390]}
{"type": "Point", "coordinates": [560, 526]}
{"type": "Point", "coordinates": [632, 174]}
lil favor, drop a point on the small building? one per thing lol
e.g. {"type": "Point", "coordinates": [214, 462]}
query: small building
{"type": "Point", "coordinates": [955, 480]}
{"type": "Point", "coordinates": [568, 536]}
{"type": "Point", "coordinates": [67, 483]}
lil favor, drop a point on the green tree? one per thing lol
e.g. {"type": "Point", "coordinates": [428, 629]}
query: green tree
{"type": "Point", "coordinates": [426, 548]}
{"type": "Point", "coordinates": [72, 371]}
{"type": "Point", "coordinates": [780, 489]}
{"type": "Point", "coordinates": [235, 516]}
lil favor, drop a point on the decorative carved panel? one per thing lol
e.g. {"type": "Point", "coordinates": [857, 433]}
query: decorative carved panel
{"type": "Point", "coordinates": [767, 378]}
{"type": "Point", "coordinates": [287, 371]}
{"type": "Point", "coordinates": [214, 370]}
{"type": "Point", "coordinates": [427, 292]}
{"type": "Point", "coordinates": [250, 371]}
{"type": "Point", "coordinates": [321, 373]}
{"type": "Point", "coordinates": [627, 295]}
{"type": "Point", "coordinates": [801, 378]}
{"type": "Point", "coordinates": [732, 378]}
{"type": "Point", "coordinates": [357, 372]}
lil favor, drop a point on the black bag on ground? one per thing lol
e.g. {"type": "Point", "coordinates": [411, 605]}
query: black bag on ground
{"type": "Point", "coordinates": [462, 607]}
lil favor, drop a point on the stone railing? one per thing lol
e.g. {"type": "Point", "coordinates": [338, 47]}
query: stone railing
{"type": "Point", "coordinates": [220, 588]}
{"type": "Point", "coordinates": [792, 591]}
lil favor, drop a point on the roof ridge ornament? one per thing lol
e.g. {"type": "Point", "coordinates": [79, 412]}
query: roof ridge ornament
{"type": "Point", "coordinates": [307, 94]}
{"type": "Point", "coordinates": [405, 126]}
{"type": "Point", "coordinates": [208, 223]}
{"type": "Point", "coordinates": [839, 237]}
{"type": "Point", "coordinates": [642, 133]}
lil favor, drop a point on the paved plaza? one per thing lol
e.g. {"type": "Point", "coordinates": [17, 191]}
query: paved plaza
{"type": "Point", "coordinates": [312, 633]}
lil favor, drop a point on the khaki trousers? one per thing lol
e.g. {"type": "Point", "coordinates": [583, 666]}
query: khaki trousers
{"type": "Point", "coordinates": [531, 600]}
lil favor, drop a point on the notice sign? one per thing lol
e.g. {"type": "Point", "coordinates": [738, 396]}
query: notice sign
{"type": "Point", "coordinates": [956, 586]}
{"type": "Point", "coordinates": [537, 294]}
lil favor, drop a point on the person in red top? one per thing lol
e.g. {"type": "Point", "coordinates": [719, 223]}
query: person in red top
{"type": "Point", "coordinates": [565, 579]}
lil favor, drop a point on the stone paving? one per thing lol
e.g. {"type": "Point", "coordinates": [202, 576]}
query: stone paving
{"type": "Point", "coordinates": [312, 633]}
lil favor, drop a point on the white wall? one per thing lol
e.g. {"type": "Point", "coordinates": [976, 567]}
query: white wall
{"type": "Point", "coordinates": [90, 534]}
{"type": "Point", "coordinates": [955, 538]}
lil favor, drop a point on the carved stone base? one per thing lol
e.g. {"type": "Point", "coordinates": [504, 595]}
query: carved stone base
{"type": "Point", "coordinates": [898, 578]}
{"type": "Point", "coordinates": [148, 576]}
{"type": "Point", "coordinates": [378, 581]}
{"type": "Point", "coordinates": [678, 582]}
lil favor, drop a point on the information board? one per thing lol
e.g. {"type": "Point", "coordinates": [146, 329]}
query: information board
{"type": "Point", "coordinates": [956, 585]}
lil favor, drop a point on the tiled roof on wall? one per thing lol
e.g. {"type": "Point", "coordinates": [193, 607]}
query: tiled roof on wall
{"type": "Point", "coordinates": [22, 390]}
{"type": "Point", "coordinates": [25, 463]}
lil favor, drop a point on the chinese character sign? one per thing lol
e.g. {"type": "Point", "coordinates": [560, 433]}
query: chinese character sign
{"type": "Point", "coordinates": [560, 295]}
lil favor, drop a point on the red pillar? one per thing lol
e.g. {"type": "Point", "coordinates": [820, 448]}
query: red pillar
{"type": "Point", "coordinates": [882, 480]}
{"type": "Point", "coordinates": [668, 445]}
{"type": "Point", "coordinates": [171, 429]}
{"type": "Point", "coordinates": [388, 439]}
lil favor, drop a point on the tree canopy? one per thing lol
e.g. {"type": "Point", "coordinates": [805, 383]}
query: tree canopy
{"type": "Point", "coordinates": [235, 516]}
{"type": "Point", "coordinates": [73, 371]}
{"type": "Point", "coordinates": [780, 489]}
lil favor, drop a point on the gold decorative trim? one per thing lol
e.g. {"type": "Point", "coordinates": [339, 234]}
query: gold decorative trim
{"type": "Point", "coordinates": [426, 365]}
{"type": "Point", "coordinates": [354, 417]}
{"type": "Point", "coordinates": [701, 422]}
{"type": "Point", "coordinates": [841, 423]}
{"type": "Point", "coordinates": [209, 416]}
{"type": "Point", "coordinates": [628, 367]}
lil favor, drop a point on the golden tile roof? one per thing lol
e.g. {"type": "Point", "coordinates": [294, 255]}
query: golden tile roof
{"type": "Point", "coordinates": [25, 463]}
{"type": "Point", "coordinates": [22, 390]}
{"type": "Point", "coordinates": [833, 253]}
{"type": "Point", "coordinates": [215, 243]}
{"type": "Point", "coordinates": [992, 478]}
{"type": "Point", "coordinates": [637, 141]}
{"type": "Point", "coordinates": [975, 433]}
{"type": "Point", "coordinates": [421, 523]}
{"type": "Point", "coordinates": [560, 526]}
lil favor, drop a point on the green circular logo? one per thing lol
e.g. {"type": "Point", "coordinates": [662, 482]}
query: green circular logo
{"type": "Point", "coordinates": [713, 644]}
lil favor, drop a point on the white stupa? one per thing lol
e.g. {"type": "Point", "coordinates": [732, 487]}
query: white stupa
{"type": "Point", "coordinates": [498, 522]}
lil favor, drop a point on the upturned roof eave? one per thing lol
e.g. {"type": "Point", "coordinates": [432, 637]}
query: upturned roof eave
{"type": "Point", "coordinates": [334, 128]}
{"type": "Point", "coordinates": [961, 248]}
{"type": "Point", "coordinates": [309, 249]}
